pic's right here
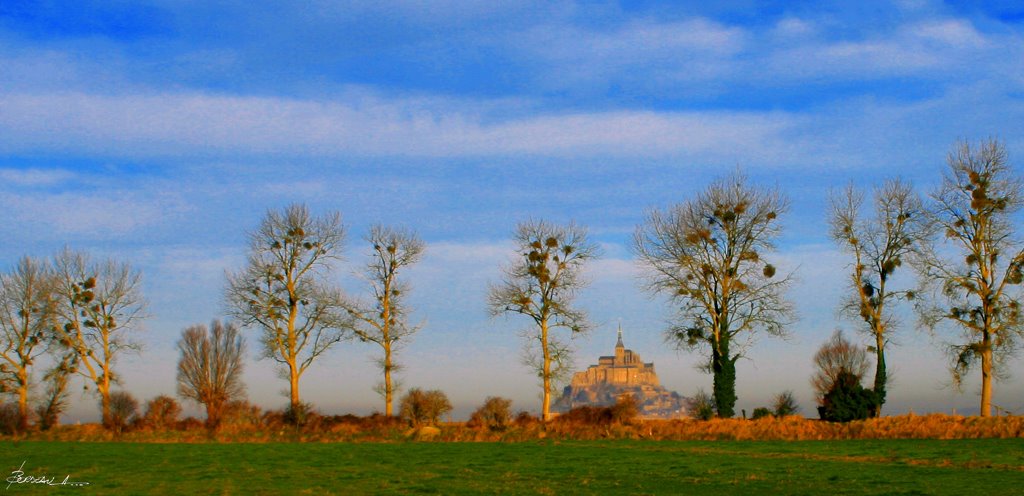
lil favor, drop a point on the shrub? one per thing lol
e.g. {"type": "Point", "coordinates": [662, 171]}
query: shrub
{"type": "Point", "coordinates": [586, 414]}
{"type": "Point", "coordinates": [625, 410]}
{"type": "Point", "coordinates": [524, 419]}
{"type": "Point", "coordinates": [190, 424]}
{"type": "Point", "coordinates": [55, 401]}
{"type": "Point", "coordinates": [495, 414]}
{"type": "Point", "coordinates": [837, 355]}
{"type": "Point", "coordinates": [785, 405]}
{"type": "Point", "coordinates": [162, 413]}
{"type": "Point", "coordinates": [124, 409]}
{"type": "Point", "coordinates": [702, 407]}
{"type": "Point", "coordinates": [240, 415]}
{"type": "Point", "coordinates": [9, 418]}
{"type": "Point", "coordinates": [761, 412]}
{"type": "Point", "coordinates": [847, 400]}
{"type": "Point", "coordinates": [300, 415]}
{"type": "Point", "coordinates": [424, 407]}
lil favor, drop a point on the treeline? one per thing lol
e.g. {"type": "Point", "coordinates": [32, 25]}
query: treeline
{"type": "Point", "coordinates": [711, 255]}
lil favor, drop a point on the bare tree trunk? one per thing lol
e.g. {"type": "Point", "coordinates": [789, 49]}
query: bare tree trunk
{"type": "Point", "coordinates": [212, 416]}
{"type": "Point", "coordinates": [105, 406]}
{"type": "Point", "coordinates": [293, 379]}
{"type": "Point", "coordinates": [388, 387]}
{"type": "Point", "coordinates": [986, 377]}
{"type": "Point", "coordinates": [23, 402]}
{"type": "Point", "coordinates": [546, 373]}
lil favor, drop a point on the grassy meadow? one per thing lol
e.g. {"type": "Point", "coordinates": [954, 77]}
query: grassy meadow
{"type": "Point", "coordinates": [918, 466]}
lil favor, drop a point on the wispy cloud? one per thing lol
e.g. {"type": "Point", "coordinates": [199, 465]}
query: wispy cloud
{"type": "Point", "coordinates": [931, 49]}
{"type": "Point", "coordinates": [34, 177]}
{"type": "Point", "coordinates": [203, 124]}
{"type": "Point", "coordinates": [99, 215]}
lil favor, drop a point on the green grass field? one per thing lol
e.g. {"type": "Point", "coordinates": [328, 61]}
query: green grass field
{"type": "Point", "coordinates": [986, 466]}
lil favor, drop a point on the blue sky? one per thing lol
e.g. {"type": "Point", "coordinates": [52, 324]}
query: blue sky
{"type": "Point", "coordinates": [160, 132]}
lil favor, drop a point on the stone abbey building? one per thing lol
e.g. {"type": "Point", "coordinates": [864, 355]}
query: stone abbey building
{"type": "Point", "coordinates": [622, 373]}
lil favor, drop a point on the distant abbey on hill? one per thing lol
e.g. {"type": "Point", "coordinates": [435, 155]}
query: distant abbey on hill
{"type": "Point", "coordinates": [613, 376]}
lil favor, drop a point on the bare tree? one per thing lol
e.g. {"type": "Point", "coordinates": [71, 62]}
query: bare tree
{"type": "Point", "coordinates": [541, 284]}
{"type": "Point", "coordinates": [55, 401]}
{"type": "Point", "coordinates": [785, 404]}
{"type": "Point", "coordinates": [980, 293]}
{"type": "Point", "coordinates": [879, 244]}
{"type": "Point", "coordinates": [836, 357]}
{"type": "Point", "coordinates": [99, 304]}
{"type": "Point", "coordinates": [26, 317]}
{"type": "Point", "coordinates": [283, 290]}
{"type": "Point", "coordinates": [384, 321]}
{"type": "Point", "coordinates": [210, 367]}
{"type": "Point", "coordinates": [709, 256]}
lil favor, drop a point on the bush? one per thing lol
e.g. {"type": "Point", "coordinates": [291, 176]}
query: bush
{"type": "Point", "coordinates": [239, 415]}
{"type": "Point", "coordinates": [701, 406]}
{"type": "Point", "coordinates": [524, 419]}
{"type": "Point", "coordinates": [495, 414]}
{"type": "Point", "coordinates": [836, 356]}
{"type": "Point", "coordinates": [785, 405]}
{"type": "Point", "coordinates": [124, 409]}
{"type": "Point", "coordinates": [162, 413]}
{"type": "Point", "coordinates": [190, 424]}
{"type": "Point", "coordinates": [9, 418]}
{"type": "Point", "coordinates": [300, 415]}
{"type": "Point", "coordinates": [424, 407]}
{"type": "Point", "coordinates": [625, 410]}
{"type": "Point", "coordinates": [586, 414]}
{"type": "Point", "coordinates": [847, 400]}
{"type": "Point", "coordinates": [55, 401]}
{"type": "Point", "coordinates": [761, 412]}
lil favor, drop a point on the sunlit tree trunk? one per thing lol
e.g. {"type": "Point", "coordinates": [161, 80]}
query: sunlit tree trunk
{"type": "Point", "coordinates": [389, 389]}
{"type": "Point", "coordinates": [546, 371]}
{"type": "Point", "coordinates": [986, 376]}
{"type": "Point", "coordinates": [22, 400]}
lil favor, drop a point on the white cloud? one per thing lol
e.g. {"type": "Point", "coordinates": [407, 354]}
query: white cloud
{"type": "Point", "coordinates": [931, 49]}
{"type": "Point", "coordinates": [201, 124]}
{"type": "Point", "coordinates": [792, 27]}
{"type": "Point", "coordinates": [955, 33]}
{"type": "Point", "coordinates": [98, 215]}
{"type": "Point", "coordinates": [700, 35]}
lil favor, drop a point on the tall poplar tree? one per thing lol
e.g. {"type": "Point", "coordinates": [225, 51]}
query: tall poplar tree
{"type": "Point", "coordinates": [879, 241]}
{"type": "Point", "coordinates": [283, 290]}
{"type": "Point", "coordinates": [979, 293]}
{"type": "Point", "coordinates": [541, 284]}
{"type": "Point", "coordinates": [710, 255]}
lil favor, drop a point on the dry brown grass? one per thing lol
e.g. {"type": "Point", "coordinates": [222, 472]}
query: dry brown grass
{"type": "Point", "coordinates": [378, 428]}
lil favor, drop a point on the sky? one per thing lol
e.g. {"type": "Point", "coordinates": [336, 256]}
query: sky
{"type": "Point", "coordinates": [161, 132]}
